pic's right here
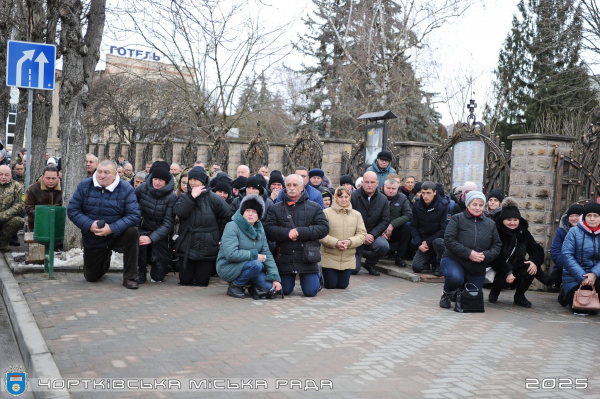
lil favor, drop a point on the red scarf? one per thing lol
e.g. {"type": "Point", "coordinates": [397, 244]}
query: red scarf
{"type": "Point", "coordinates": [476, 216]}
{"type": "Point", "coordinates": [593, 230]}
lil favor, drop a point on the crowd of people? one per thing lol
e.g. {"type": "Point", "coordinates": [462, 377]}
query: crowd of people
{"type": "Point", "coordinates": [260, 232]}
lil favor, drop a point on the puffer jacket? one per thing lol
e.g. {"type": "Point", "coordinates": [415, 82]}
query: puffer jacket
{"type": "Point", "coordinates": [156, 206]}
{"type": "Point", "coordinates": [556, 249]}
{"type": "Point", "coordinates": [375, 212]}
{"type": "Point", "coordinates": [400, 210]}
{"type": "Point", "coordinates": [116, 204]}
{"type": "Point", "coordinates": [382, 174]}
{"type": "Point", "coordinates": [202, 221]}
{"type": "Point", "coordinates": [39, 194]}
{"type": "Point", "coordinates": [311, 224]}
{"type": "Point", "coordinates": [428, 221]}
{"type": "Point", "coordinates": [517, 244]}
{"type": "Point", "coordinates": [466, 233]}
{"type": "Point", "coordinates": [11, 200]}
{"type": "Point", "coordinates": [581, 255]}
{"type": "Point", "coordinates": [344, 224]}
{"type": "Point", "coordinates": [240, 243]}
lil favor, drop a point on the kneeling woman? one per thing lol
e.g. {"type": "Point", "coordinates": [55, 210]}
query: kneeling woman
{"type": "Point", "coordinates": [581, 254]}
{"type": "Point", "coordinates": [471, 241]}
{"type": "Point", "coordinates": [517, 243]}
{"type": "Point", "coordinates": [244, 257]}
{"type": "Point", "coordinates": [346, 232]}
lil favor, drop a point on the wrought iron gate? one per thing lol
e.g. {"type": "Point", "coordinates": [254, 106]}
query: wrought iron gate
{"type": "Point", "coordinates": [307, 151]}
{"type": "Point", "coordinates": [257, 153]}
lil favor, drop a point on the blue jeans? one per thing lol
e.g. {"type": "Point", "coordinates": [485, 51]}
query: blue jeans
{"type": "Point", "coordinates": [308, 281]}
{"type": "Point", "coordinates": [456, 277]}
{"type": "Point", "coordinates": [252, 274]}
{"type": "Point", "coordinates": [379, 248]}
{"type": "Point", "coordinates": [334, 278]}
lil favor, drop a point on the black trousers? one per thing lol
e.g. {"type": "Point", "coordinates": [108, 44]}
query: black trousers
{"type": "Point", "coordinates": [196, 272]}
{"type": "Point", "coordinates": [96, 261]}
{"type": "Point", "coordinates": [400, 239]}
{"type": "Point", "coordinates": [158, 255]}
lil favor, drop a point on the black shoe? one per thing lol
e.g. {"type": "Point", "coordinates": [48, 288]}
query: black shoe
{"type": "Point", "coordinates": [131, 284]}
{"type": "Point", "coordinates": [437, 271]}
{"type": "Point", "coordinates": [399, 261]}
{"type": "Point", "coordinates": [446, 300]}
{"type": "Point", "coordinates": [521, 300]}
{"type": "Point", "coordinates": [141, 276]}
{"type": "Point", "coordinates": [371, 270]}
{"type": "Point", "coordinates": [561, 297]}
{"type": "Point", "coordinates": [391, 255]}
{"type": "Point", "coordinates": [14, 242]}
{"type": "Point", "coordinates": [453, 297]}
{"type": "Point", "coordinates": [493, 298]}
{"type": "Point", "coordinates": [236, 291]}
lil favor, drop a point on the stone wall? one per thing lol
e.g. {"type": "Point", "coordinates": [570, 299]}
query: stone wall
{"type": "Point", "coordinates": [410, 154]}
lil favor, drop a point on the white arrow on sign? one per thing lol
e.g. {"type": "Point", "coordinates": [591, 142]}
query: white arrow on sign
{"type": "Point", "coordinates": [41, 60]}
{"type": "Point", "coordinates": [28, 55]}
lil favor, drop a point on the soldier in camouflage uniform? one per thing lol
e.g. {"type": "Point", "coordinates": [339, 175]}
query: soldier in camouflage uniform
{"type": "Point", "coordinates": [11, 207]}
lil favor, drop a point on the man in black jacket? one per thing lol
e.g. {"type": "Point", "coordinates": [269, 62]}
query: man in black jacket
{"type": "Point", "coordinates": [398, 232]}
{"type": "Point", "coordinates": [429, 220]}
{"type": "Point", "coordinates": [291, 223]}
{"type": "Point", "coordinates": [157, 200]}
{"type": "Point", "coordinates": [375, 210]}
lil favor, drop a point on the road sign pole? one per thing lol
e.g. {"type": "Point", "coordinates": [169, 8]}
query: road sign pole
{"type": "Point", "coordinates": [29, 124]}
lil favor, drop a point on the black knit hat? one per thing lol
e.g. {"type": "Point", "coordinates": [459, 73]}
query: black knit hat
{"type": "Point", "coordinates": [592, 207]}
{"type": "Point", "coordinates": [346, 179]}
{"type": "Point", "coordinates": [262, 179]}
{"type": "Point", "coordinates": [255, 181]}
{"type": "Point", "coordinates": [276, 178]}
{"type": "Point", "coordinates": [575, 209]}
{"type": "Point", "coordinates": [510, 209]}
{"type": "Point", "coordinates": [161, 173]}
{"type": "Point", "coordinates": [417, 187]}
{"type": "Point", "coordinates": [385, 155]}
{"type": "Point", "coordinates": [240, 182]}
{"type": "Point", "coordinates": [159, 164]}
{"type": "Point", "coordinates": [255, 202]}
{"type": "Point", "coordinates": [197, 172]}
{"type": "Point", "coordinates": [496, 193]}
{"type": "Point", "coordinates": [222, 185]}
{"type": "Point", "coordinates": [325, 192]}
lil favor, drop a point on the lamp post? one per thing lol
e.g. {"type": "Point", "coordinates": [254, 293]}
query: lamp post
{"type": "Point", "coordinates": [376, 130]}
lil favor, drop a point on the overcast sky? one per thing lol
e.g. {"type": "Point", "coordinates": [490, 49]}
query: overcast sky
{"type": "Point", "coordinates": [468, 47]}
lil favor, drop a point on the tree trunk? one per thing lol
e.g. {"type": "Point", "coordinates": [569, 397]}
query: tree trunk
{"type": "Point", "coordinates": [42, 108]}
{"type": "Point", "coordinates": [6, 12]}
{"type": "Point", "coordinates": [21, 121]}
{"type": "Point", "coordinates": [80, 56]}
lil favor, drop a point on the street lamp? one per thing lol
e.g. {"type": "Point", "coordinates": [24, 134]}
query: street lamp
{"type": "Point", "coordinates": [376, 130]}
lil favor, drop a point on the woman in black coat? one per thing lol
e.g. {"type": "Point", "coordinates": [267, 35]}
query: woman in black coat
{"type": "Point", "coordinates": [511, 265]}
{"type": "Point", "coordinates": [203, 216]}
{"type": "Point", "coordinates": [157, 200]}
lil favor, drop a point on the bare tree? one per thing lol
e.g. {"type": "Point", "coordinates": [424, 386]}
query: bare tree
{"type": "Point", "coordinates": [6, 27]}
{"type": "Point", "coordinates": [81, 52]}
{"type": "Point", "coordinates": [215, 47]}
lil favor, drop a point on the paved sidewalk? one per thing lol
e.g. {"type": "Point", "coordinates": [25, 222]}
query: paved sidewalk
{"type": "Point", "coordinates": [383, 337]}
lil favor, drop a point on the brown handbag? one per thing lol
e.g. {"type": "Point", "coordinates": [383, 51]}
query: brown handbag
{"type": "Point", "coordinates": [586, 299]}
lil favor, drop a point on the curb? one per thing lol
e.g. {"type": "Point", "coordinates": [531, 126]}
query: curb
{"type": "Point", "coordinates": [35, 268]}
{"type": "Point", "coordinates": [388, 267]}
{"type": "Point", "coordinates": [36, 355]}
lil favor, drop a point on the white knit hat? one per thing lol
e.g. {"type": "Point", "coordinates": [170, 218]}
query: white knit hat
{"type": "Point", "coordinates": [471, 195]}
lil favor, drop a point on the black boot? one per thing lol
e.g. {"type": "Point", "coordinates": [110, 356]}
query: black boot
{"type": "Point", "coordinates": [399, 261]}
{"type": "Point", "coordinates": [141, 275]}
{"type": "Point", "coordinates": [437, 270]}
{"type": "Point", "coordinates": [495, 291]}
{"type": "Point", "coordinates": [14, 242]}
{"type": "Point", "coordinates": [371, 270]}
{"type": "Point", "coordinates": [446, 300]}
{"type": "Point", "coordinates": [520, 290]}
{"type": "Point", "coordinates": [562, 297]}
{"type": "Point", "coordinates": [544, 278]}
{"type": "Point", "coordinates": [236, 291]}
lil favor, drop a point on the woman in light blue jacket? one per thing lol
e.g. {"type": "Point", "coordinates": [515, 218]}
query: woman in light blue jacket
{"type": "Point", "coordinates": [581, 255]}
{"type": "Point", "coordinates": [244, 257]}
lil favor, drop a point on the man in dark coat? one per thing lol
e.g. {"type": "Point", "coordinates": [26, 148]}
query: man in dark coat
{"type": "Point", "coordinates": [375, 210]}
{"type": "Point", "coordinates": [291, 223]}
{"type": "Point", "coordinates": [157, 199]}
{"type": "Point", "coordinates": [313, 194]}
{"type": "Point", "coordinates": [398, 232]}
{"type": "Point", "coordinates": [408, 188]}
{"type": "Point", "coordinates": [45, 192]}
{"type": "Point", "coordinates": [106, 210]}
{"type": "Point", "coordinates": [428, 225]}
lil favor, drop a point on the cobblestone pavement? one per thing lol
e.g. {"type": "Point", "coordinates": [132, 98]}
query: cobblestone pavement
{"type": "Point", "coordinates": [383, 337]}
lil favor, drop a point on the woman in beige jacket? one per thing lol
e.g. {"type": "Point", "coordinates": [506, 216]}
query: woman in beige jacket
{"type": "Point", "coordinates": [346, 232]}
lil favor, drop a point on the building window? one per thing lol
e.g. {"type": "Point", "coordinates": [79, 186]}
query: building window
{"type": "Point", "coordinates": [49, 132]}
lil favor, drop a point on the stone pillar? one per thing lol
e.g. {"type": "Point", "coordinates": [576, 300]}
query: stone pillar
{"type": "Point", "coordinates": [235, 155]}
{"type": "Point", "coordinates": [532, 177]}
{"type": "Point", "coordinates": [156, 147]}
{"type": "Point", "coordinates": [178, 146]}
{"type": "Point", "coordinates": [111, 151]}
{"type": "Point", "coordinates": [332, 158]}
{"type": "Point", "coordinates": [276, 156]}
{"type": "Point", "coordinates": [101, 147]}
{"type": "Point", "coordinates": [203, 154]}
{"type": "Point", "coordinates": [125, 151]}
{"type": "Point", "coordinates": [139, 155]}
{"type": "Point", "coordinates": [410, 154]}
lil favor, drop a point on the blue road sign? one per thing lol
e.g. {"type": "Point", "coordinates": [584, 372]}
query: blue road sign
{"type": "Point", "coordinates": [30, 65]}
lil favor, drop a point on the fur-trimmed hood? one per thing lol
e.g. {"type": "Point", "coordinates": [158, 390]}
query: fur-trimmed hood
{"type": "Point", "coordinates": [564, 223]}
{"type": "Point", "coordinates": [256, 198]}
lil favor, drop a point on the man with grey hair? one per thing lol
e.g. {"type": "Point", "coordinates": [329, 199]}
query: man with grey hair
{"type": "Point", "coordinates": [291, 224]}
{"type": "Point", "coordinates": [106, 210]}
{"type": "Point", "coordinates": [91, 163]}
{"type": "Point", "coordinates": [243, 170]}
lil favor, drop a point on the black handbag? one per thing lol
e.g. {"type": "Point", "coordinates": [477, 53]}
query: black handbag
{"type": "Point", "coordinates": [469, 299]}
{"type": "Point", "coordinates": [311, 250]}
